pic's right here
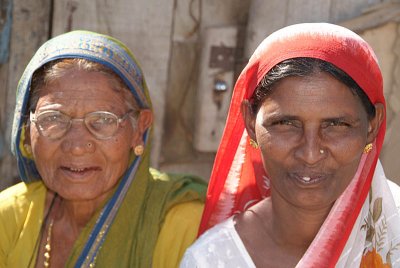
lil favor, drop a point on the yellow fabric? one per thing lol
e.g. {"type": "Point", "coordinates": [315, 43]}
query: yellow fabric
{"type": "Point", "coordinates": [21, 214]}
{"type": "Point", "coordinates": [124, 231]}
{"type": "Point", "coordinates": [178, 232]}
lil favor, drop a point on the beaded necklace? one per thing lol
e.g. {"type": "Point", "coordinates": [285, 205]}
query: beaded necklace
{"type": "Point", "coordinates": [47, 246]}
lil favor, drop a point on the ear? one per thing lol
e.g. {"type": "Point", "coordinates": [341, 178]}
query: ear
{"type": "Point", "coordinates": [376, 122]}
{"type": "Point", "coordinates": [26, 141]}
{"type": "Point", "coordinates": [144, 121]}
{"type": "Point", "coordinates": [249, 118]}
{"type": "Point", "coordinates": [27, 134]}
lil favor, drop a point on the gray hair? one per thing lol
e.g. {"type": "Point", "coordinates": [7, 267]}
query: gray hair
{"type": "Point", "coordinates": [56, 69]}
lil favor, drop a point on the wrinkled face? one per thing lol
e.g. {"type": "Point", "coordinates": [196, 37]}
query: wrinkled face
{"type": "Point", "coordinates": [311, 132]}
{"type": "Point", "coordinates": [78, 166]}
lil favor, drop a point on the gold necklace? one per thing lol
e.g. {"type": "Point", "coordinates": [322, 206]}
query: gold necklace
{"type": "Point", "coordinates": [47, 247]}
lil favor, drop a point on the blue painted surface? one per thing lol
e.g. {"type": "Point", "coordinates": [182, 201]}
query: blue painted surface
{"type": "Point", "coordinates": [5, 30]}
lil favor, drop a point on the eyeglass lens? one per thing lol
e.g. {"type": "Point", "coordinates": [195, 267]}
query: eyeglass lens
{"type": "Point", "coordinates": [54, 124]}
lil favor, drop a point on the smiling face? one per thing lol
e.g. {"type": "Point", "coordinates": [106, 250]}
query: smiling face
{"type": "Point", "coordinates": [78, 166]}
{"type": "Point", "coordinates": [312, 132]}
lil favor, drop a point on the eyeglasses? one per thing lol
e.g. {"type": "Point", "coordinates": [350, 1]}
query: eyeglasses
{"type": "Point", "coordinates": [55, 124]}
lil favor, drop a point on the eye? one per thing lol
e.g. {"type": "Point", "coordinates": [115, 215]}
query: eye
{"type": "Point", "coordinates": [287, 123]}
{"type": "Point", "coordinates": [104, 120]}
{"type": "Point", "coordinates": [337, 123]}
{"type": "Point", "coordinates": [284, 122]}
{"type": "Point", "coordinates": [48, 118]}
{"type": "Point", "coordinates": [101, 120]}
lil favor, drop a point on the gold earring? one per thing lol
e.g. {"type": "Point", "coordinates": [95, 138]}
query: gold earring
{"type": "Point", "coordinates": [28, 149]}
{"type": "Point", "coordinates": [253, 144]}
{"type": "Point", "coordinates": [368, 148]}
{"type": "Point", "coordinates": [138, 150]}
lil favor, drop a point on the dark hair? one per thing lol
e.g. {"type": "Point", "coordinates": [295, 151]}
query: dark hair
{"type": "Point", "coordinates": [306, 67]}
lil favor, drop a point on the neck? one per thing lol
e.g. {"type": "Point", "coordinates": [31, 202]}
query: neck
{"type": "Point", "coordinates": [294, 226]}
{"type": "Point", "coordinates": [77, 213]}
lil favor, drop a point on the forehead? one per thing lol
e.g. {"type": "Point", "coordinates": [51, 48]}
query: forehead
{"type": "Point", "coordinates": [317, 94]}
{"type": "Point", "coordinates": [81, 88]}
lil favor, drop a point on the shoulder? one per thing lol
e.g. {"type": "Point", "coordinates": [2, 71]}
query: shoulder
{"type": "Point", "coordinates": [172, 189]}
{"type": "Point", "coordinates": [221, 233]}
{"type": "Point", "coordinates": [20, 208]}
{"type": "Point", "coordinates": [172, 178]}
{"type": "Point", "coordinates": [21, 193]}
{"type": "Point", "coordinates": [220, 245]}
{"type": "Point", "coordinates": [189, 212]}
{"type": "Point", "coordinates": [17, 200]}
{"type": "Point", "coordinates": [182, 219]}
{"type": "Point", "coordinates": [178, 232]}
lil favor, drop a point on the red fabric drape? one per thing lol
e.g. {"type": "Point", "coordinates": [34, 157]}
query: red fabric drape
{"type": "Point", "coordinates": [327, 42]}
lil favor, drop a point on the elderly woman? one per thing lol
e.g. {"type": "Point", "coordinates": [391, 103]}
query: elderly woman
{"type": "Point", "coordinates": [297, 181]}
{"type": "Point", "coordinates": [81, 136]}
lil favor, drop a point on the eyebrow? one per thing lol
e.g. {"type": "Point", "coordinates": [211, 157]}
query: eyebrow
{"type": "Point", "coordinates": [280, 116]}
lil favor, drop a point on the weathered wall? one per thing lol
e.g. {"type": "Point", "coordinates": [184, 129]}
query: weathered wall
{"type": "Point", "coordinates": [266, 17]}
{"type": "Point", "coordinates": [191, 20]}
{"type": "Point", "coordinates": [23, 44]}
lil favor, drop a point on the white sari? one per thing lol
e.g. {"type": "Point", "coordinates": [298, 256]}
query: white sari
{"type": "Point", "coordinates": [221, 246]}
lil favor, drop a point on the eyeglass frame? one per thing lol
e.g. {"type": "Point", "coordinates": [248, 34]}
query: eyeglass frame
{"type": "Point", "coordinates": [33, 118]}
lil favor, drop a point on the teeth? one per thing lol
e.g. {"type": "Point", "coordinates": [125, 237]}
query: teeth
{"type": "Point", "coordinates": [76, 169]}
{"type": "Point", "coordinates": [306, 178]}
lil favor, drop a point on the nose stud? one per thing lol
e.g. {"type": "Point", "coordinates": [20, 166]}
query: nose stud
{"type": "Point", "coordinates": [321, 151]}
{"type": "Point", "coordinates": [89, 145]}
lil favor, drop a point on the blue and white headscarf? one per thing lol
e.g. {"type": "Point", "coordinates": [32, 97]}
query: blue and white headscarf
{"type": "Point", "coordinates": [113, 54]}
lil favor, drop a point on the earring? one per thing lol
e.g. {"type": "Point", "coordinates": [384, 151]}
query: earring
{"type": "Point", "coordinates": [138, 150]}
{"type": "Point", "coordinates": [28, 149]}
{"type": "Point", "coordinates": [368, 148]}
{"type": "Point", "coordinates": [253, 144]}
{"type": "Point", "coordinates": [321, 151]}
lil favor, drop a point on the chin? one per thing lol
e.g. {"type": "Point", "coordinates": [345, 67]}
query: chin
{"type": "Point", "coordinates": [79, 195]}
{"type": "Point", "coordinates": [314, 201]}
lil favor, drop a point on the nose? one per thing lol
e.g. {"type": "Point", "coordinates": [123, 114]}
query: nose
{"type": "Point", "coordinates": [78, 140]}
{"type": "Point", "coordinates": [310, 149]}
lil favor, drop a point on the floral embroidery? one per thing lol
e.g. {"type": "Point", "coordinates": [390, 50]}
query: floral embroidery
{"type": "Point", "coordinates": [373, 260]}
{"type": "Point", "coordinates": [376, 227]}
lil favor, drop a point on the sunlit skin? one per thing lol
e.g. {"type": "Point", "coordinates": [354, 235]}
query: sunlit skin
{"type": "Point", "coordinates": [301, 117]}
{"type": "Point", "coordinates": [103, 161]}
{"type": "Point", "coordinates": [80, 168]}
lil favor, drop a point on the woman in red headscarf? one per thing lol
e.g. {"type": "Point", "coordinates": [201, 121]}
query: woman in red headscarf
{"type": "Point", "coordinates": [297, 181]}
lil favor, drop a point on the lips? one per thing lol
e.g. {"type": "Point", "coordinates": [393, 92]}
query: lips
{"type": "Point", "coordinates": [306, 178]}
{"type": "Point", "coordinates": [79, 171]}
{"type": "Point", "coordinates": [75, 169]}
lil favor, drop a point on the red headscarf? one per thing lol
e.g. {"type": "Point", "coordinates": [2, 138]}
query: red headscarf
{"type": "Point", "coordinates": [237, 172]}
